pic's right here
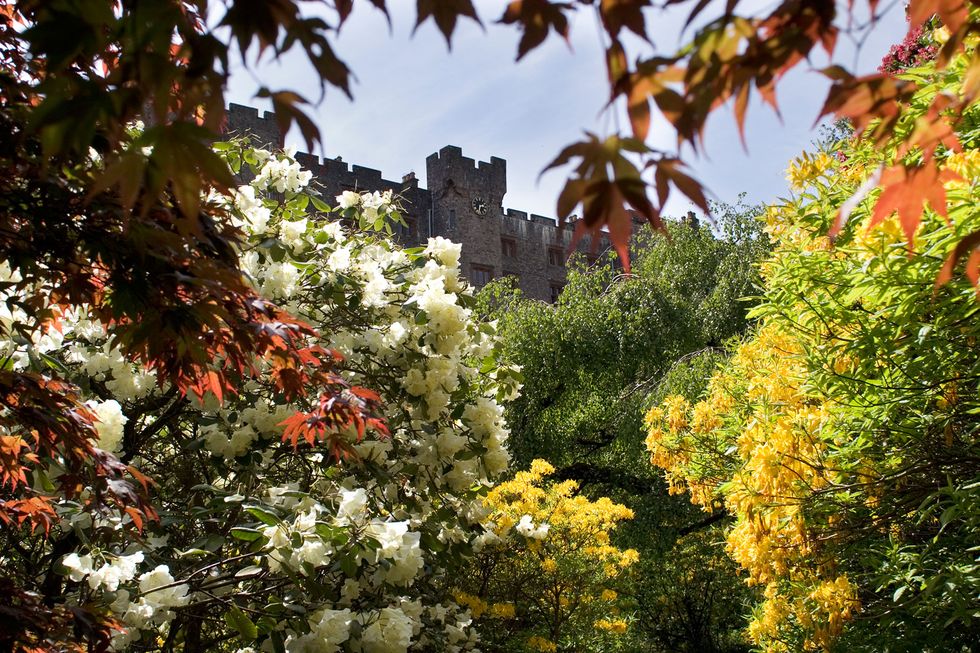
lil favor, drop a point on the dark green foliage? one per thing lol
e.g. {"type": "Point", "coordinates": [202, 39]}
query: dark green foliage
{"type": "Point", "coordinates": [596, 360]}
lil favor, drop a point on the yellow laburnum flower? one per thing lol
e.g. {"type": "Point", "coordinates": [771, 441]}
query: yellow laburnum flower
{"type": "Point", "coordinates": [874, 240]}
{"type": "Point", "coordinates": [705, 418]}
{"type": "Point", "coordinates": [504, 524]}
{"type": "Point", "coordinates": [567, 537]}
{"type": "Point", "coordinates": [776, 438]}
{"type": "Point", "coordinates": [654, 416]}
{"type": "Point", "coordinates": [835, 602]}
{"type": "Point", "coordinates": [966, 164]}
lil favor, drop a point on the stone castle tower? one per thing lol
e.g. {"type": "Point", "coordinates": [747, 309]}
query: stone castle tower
{"type": "Point", "coordinates": [463, 202]}
{"type": "Point", "coordinates": [467, 197]}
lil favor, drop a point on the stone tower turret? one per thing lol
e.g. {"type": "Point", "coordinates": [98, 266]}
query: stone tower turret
{"type": "Point", "coordinates": [466, 207]}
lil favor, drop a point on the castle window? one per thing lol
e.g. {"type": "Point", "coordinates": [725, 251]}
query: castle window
{"type": "Point", "coordinates": [452, 219]}
{"type": "Point", "coordinates": [556, 256]}
{"type": "Point", "coordinates": [508, 247]}
{"type": "Point", "coordinates": [407, 230]}
{"type": "Point", "coordinates": [480, 275]}
{"type": "Point", "coordinates": [556, 287]}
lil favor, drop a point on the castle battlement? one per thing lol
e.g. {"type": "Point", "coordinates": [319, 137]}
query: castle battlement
{"type": "Point", "coordinates": [453, 154]}
{"type": "Point", "coordinates": [462, 201]}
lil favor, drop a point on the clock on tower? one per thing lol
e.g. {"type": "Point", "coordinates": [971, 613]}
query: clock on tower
{"type": "Point", "coordinates": [480, 206]}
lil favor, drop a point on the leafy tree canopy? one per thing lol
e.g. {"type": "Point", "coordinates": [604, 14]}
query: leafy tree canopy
{"type": "Point", "coordinates": [257, 537]}
{"type": "Point", "coordinates": [842, 435]}
{"type": "Point", "coordinates": [589, 363]}
{"type": "Point", "coordinates": [92, 71]}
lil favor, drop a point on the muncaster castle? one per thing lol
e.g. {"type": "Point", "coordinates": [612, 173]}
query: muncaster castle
{"type": "Point", "coordinates": [463, 202]}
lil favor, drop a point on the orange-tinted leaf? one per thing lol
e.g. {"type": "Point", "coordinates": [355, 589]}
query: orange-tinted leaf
{"type": "Point", "coordinates": [969, 243]}
{"type": "Point", "coordinates": [740, 108]}
{"type": "Point", "coordinates": [616, 65]}
{"type": "Point", "coordinates": [953, 13]}
{"type": "Point", "coordinates": [973, 268]}
{"type": "Point", "coordinates": [336, 410]}
{"type": "Point", "coordinates": [141, 478]}
{"type": "Point", "coordinates": [285, 104]}
{"type": "Point", "coordinates": [906, 189]}
{"type": "Point", "coordinates": [617, 14]}
{"type": "Point", "coordinates": [445, 13]}
{"type": "Point", "coordinates": [609, 188]}
{"type": "Point", "coordinates": [865, 99]}
{"type": "Point", "coordinates": [536, 18]}
{"type": "Point", "coordinates": [136, 516]}
{"type": "Point", "coordinates": [570, 196]}
{"type": "Point", "coordinates": [670, 169]}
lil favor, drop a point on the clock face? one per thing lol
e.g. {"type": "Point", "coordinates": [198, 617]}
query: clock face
{"type": "Point", "coordinates": [480, 206]}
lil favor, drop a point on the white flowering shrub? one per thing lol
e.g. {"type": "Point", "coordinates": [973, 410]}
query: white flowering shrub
{"type": "Point", "coordinates": [277, 530]}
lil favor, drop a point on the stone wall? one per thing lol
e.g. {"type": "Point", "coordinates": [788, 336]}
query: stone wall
{"type": "Point", "coordinates": [463, 202]}
{"type": "Point", "coordinates": [246, 121]}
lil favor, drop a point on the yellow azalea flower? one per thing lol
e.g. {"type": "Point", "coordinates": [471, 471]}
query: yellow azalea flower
{"type": "Point", "coordinates": [475, 604]}
{"type": "Point", "coordinates": [551, 527]}
{"type": "Point", "coordinates": [503, 610]}
{"type": "Point", "coordinates": [537, 643]}
{"type": "Point", "coordinates": [807, 168]}
{"type": "Point", "coordinates": [617, 626]}
{"type": "Point", "coordinates": [779, 448]}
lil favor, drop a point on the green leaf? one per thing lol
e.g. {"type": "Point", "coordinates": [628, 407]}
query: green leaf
{"type": "Point", "coordinates": [247, 534]}
{"type": "Point", "coordinates": [278, 646]}
{"type": "Point", "coordinates": [349, 565]}
{"type": "Point", "coordinates": [319, 204]}
{"type": "Point", "coordinates": [241, 622]}
{"type": "Point", "coordinates": [265, 516]}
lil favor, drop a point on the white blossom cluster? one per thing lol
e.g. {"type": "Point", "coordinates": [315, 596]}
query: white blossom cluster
{"type": "Point", "coordinates": [527, 528]}
{"type": "Point", "coordinates": [158, 591]}
{"type": "Point", "coordinates": [109, 424]}
{"type": "Point", "coordinates": [280, 173]}
{"type": "Point", "coordinates": [72, 335]}
{"type": "Point", "coordinates": [381, 528]}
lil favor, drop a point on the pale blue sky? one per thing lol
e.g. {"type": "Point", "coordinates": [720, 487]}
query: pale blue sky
{"type": "Point", "coordinates": [411, 97]}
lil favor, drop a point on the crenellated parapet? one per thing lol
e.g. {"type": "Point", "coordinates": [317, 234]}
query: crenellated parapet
{"type": "Point", "coordinates": [448, 167]}
{"type": "Point", "coordinates": [463, 201]}
{"type": "Point", "coordinates": [247, 121]}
